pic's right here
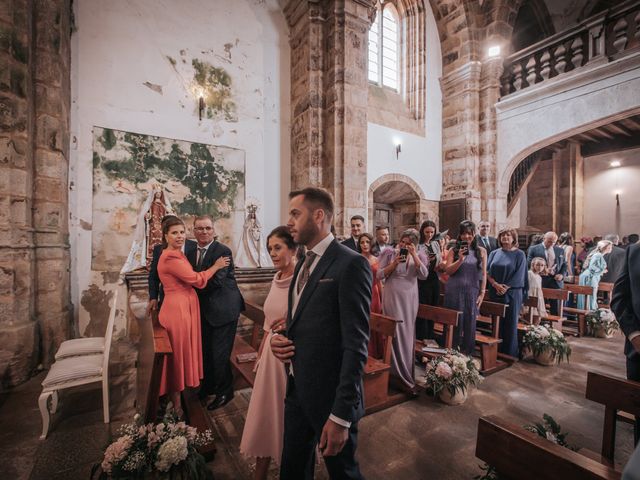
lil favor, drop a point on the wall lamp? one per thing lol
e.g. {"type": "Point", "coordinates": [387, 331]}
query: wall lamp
{"type": "Point", "coordinates": [398, 146]}
{"type": "Point", "coordinates": [615, 163]}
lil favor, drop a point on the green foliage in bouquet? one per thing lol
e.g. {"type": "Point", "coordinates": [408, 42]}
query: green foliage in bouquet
{"type": "Point", "coordinates": [453, 371]}
{"type": "Point", "coordinates": [165, 451]}
{"type": "Point", "coordinates": [539, 339]}
{"type": "Point", "coordinates": [602, 318]}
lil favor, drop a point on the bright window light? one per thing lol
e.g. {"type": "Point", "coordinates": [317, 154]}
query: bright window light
{"type": "Point", "coordinates": [494, 51]}
{"type": "Point", "coordinates": [615, 163]}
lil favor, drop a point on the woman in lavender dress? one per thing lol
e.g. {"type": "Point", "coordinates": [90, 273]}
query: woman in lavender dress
{"type": "Point", "coordinates": [467, 270]}
{"type": "Point", "coordinates": [400, 268]}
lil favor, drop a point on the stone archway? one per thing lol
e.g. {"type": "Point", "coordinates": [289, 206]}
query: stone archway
{"type": "Point", "coordinates": [398, 202]}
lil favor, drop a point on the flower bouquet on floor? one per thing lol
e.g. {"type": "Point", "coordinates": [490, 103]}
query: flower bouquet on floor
{"type": "Point", "coordinates": [166, 450]}
{"type": "Point", "coordinates": [548, 345]}
{"type": "Point", "coordinates": [451, 375]}
{"type": "Point", "coordinates": [601, 323]}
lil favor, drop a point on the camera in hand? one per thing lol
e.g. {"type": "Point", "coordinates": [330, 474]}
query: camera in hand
{"type": "Point", "coordinates": [462, 247]}
{"type": "Point", "coordinates": [403, 254]}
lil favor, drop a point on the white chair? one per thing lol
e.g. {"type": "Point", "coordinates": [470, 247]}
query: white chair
{"type": "Point", "coordinates": [78, 370]}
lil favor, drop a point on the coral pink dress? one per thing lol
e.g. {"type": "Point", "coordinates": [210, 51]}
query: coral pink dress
{"type": "Point", "coordinates": [264, 428]}
{"type": "Point", "coordinates": [376, 340]}
{"type": "Point", "coordinates": [180, 315]}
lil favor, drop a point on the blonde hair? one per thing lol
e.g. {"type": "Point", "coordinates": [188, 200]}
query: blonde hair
{"type": "Point", "coordinates": [600, 247]}
{"type": "Point", "coordinates": [537, 260]}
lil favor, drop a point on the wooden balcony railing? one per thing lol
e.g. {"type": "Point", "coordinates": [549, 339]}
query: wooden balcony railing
{"type": "Point", "coordinates": [599, 39]}
{"type": "Point", "coordinates": [521, 176]}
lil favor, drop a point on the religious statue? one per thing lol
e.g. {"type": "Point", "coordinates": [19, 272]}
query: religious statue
{"type": "Point", "coordinates": [251, 251]}
{"type": "Point", "coordinates": [148, 231]}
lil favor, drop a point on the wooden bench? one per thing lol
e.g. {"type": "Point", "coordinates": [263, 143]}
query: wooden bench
{"type": "Point", "coordinates": [489, 354]}
{"type": "Point", "coordinates": [605, 288]}
{"type": "Point", "coordinates": [615, 394]}
{"type": "Point", "coordinates": [491, 313]}
{"type": "Point", "coordinates": [581, 324]}
{"type": "Point", "coordinates": [528, 317]}
{"type": "Point", "coordinates": [376, 372]}
{"type": "Point", "coordinates": [560, 296]}
{"type": "Point", "coordinates": [516, 453]}
{"type": "Point", "coordinates": [444, 321]}
{"type": "Point", "coordinates": [244, 370]}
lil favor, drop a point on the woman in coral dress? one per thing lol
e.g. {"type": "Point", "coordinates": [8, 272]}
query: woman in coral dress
{"type": "Point", "coordinates": [376, 341]}
{"type": "Point", "coordinates": [180, 312]}
{"type": "Point", "coordinates": [264, 428]}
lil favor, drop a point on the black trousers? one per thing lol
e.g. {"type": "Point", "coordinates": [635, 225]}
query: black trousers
{"type": "Point", "coordinates": [217, 343]}
{"type": "Point", "coordinates": [300, 440]}
{"type": "Point", "coordinates": [428, 294]}
{"type": "Point", "coordinates": [633, 373]}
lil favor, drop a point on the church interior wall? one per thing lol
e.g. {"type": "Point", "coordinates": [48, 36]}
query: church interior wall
{"type": "Point", "coordinates": [141, 67]}
{"type": "Point", "coordinates": [420, 157]}
{"type": "Point", "coordinates": [602, 215]}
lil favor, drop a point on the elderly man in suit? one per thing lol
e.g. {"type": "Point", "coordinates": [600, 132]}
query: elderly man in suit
{"type": "Point", "coordinates": [357, 229]}
{"type": "Point", "coordinates": [325, 343]}
{"type": "Point", "coordinates": [220, 305]}
{"type": "Point", "coordinates": [484, 239]}
{"type": "Point", "coordinates": [625, 304]}
{"type": "Point", "coordinates": [553, 276]}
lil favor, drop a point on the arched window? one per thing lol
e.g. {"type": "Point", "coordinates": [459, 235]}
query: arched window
{"type": "Point", "coordinates": [384, 47]}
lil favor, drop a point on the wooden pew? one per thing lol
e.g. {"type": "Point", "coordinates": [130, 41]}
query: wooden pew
{"type": "Point", "coordinates": [560, 296]}
{"type": "Point", "coordinates": [578, 312]}
{"type": "Point", "coordinates": [444, 320]}
{"type": "Point", "coordinates": [528, 318]}
{"type": "Point", "coordinates": [492, 313]}
{"type": "Point", "coordinates": [615, 394]}
{"type": "Point", "coordinates": [376, 372]}
{"type": "Point", "coordinates": [245, 376]}
{"type": "Point", "coordinates": [607, 289]}
{"type": "Point", "coordinates": [518, 454]}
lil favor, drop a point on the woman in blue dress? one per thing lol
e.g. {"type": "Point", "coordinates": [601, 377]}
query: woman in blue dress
{"type": "Point", "coordinates": [508, 283]}
{"type": "Point", "coordinates": [466, 267]}
{"type": "Point", "coordinates": [592, 269]}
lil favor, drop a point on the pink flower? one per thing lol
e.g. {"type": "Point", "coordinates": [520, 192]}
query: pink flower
{"type": "Point", "coordinates": [443, 370]}
{"type": "Point", "coordinates": [115, 452]}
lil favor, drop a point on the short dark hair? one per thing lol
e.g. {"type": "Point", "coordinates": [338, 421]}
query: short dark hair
{"type": "Point", "coordinates": [282, 232]}
{"type": "Point", "coordinates": [357, 217]}
{"type": "Point", "coordinates": [316, 198]}
{"type": "Point", "coordinates": [166, 225]}
{"type": "Point", "coordinates": [466, 226]}
{"type": "Point", "coordinates": [381, 227]}
{"type": "Point", "coordinates": [425, 224]}
{"type": "Point", "coordinates": [203, 217]}
{"type": "Point", "coordinates": [633, 238]}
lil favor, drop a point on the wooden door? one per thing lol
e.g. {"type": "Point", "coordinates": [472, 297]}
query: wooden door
{"type": "Point", "coordinates": [452, 212]}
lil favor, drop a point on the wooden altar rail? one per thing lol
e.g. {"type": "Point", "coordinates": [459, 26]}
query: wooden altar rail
{"type": "Point", "coordinates": [601, 38]}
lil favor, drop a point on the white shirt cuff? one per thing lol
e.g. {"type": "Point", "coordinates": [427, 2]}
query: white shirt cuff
{"type": "Point", "coordinates": [344, 423]}
{"type": "Point", "coordinates": [633, 335]}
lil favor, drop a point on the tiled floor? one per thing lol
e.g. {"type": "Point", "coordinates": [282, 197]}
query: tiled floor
{"type": "Point", "coordinates": [418, 439]}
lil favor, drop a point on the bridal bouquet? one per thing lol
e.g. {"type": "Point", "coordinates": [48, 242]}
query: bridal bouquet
{"type": "Point", "coordinates": [166, 450]}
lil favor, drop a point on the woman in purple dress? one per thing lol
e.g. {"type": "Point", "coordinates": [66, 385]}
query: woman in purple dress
{"type": "Point", "coordinates": [509, 283]}
{"type": "Point", "coordinates": [467, 270]}
{"type": "Point", "coordinates": [401, 267]}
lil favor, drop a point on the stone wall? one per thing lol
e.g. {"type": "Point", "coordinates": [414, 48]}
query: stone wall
{"type": "Point", "coordinates": [34, 150]}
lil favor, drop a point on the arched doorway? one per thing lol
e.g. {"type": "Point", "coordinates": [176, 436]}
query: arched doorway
{"type": "Point", "coordinates": [397, 202]}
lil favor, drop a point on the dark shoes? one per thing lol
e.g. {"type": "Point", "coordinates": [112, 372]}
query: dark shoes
{"type": "Point", "coordinates": [220, 401]}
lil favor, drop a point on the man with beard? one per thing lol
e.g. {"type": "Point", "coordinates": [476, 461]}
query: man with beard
{"type": "Point", "coordinates": [324, 345]}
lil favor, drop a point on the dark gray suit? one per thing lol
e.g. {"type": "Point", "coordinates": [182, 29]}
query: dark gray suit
{"type": "Point", "coordinates": [615, 264]}
{"type": "Point", "coordinates": [625, 304]}
{"type": "Point", "coordinates": [493, 243]}
{"type": "Point", "coordinates": [330, 331]}
{"type": "Point", "coordinates": [351, 243]}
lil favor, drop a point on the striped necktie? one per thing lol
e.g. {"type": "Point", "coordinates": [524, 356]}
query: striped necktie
{"type": "Point", "coordinates": [304, 274]}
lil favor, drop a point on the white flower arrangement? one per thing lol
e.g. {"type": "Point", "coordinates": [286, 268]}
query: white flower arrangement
{"type": "Point", "coordinates": [540, 339]}
{"type": "Point", "coordinates": [453, 371]}
{"type": "Point", "coordinates": [164, 451]}
{"type": "Point", "coordinates": [601, 319]}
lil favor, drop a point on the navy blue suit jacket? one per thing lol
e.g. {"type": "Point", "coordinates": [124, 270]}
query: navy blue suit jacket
{"type": "Point", "coordinates": [351, 243]}
{"type": "Point", "coordinates": [625, 302]}
{"type": "Point", "coordinates": [560, 262]}
{"type": "Point", "coordinates": [330, 330]}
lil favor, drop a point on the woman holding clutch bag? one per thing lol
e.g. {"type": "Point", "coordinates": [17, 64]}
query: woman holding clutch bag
{"type": "Point", "coordinates": [264, 427]}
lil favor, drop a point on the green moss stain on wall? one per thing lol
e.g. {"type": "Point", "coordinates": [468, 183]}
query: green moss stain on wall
{"type": "Point", "coordinates": [212, 187]}
{"type": "Point", "coordinates": [108, 139]}
{"type": "Point", "coordinates": [216, 85]}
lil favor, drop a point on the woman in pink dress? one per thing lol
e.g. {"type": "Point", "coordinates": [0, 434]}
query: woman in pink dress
{"type": "Point", "coordinates": [376, 341]}
{"type": "Point", "coordinates": [264, 428]}
{"type": "Point", "coordinates": [180, 312]}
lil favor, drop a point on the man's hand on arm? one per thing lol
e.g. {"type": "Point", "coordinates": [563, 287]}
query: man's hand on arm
{"type": "Point", "coordinates": [282, 348]}
{"type": "Point", "coordinates": [634, 338]}
{"type": "Point", "coordinates": [333, 438]}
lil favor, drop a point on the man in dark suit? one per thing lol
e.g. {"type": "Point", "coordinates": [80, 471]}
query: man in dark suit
{"type": "Point", "coordinates": [220, 305]}
{"type": "Point", "coordinates": [325, 342]}
{"type": "Point", "coordinates": [615, 260]}
{"type": "Point", "coordinates": [357, 228]}
{"type": "Point", "coordinates": [625, 304]}
{"type": "Point", "coordinates": [484, 239]}
{"type": "Point", "coordinates": [553, 276]}
{"type": "Point", "coordinates": [155, 287]}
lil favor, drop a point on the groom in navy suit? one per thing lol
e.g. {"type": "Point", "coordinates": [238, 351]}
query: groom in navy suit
{"type": "Point", "coordinates": [324, 345]}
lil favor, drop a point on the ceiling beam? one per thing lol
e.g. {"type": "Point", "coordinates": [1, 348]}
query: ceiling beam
{"type": "Point", "coordinates": [587, 137]}
{"type": "Point", "coordinates": [634, 121]}
{"type": "Point", "coordinates": [603, 133]}
{"type": "Point", "coordinates": [609, 146]}
{"type": "Point", "coordinates": [617, 128]}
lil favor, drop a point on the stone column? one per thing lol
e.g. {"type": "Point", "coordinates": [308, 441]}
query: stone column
{"type": "Point", "coordinates": [461, 137]}
{"type": "Point", "coordinates": [34, 126]}
{"type": "Point", "coordinates": [329, 91]}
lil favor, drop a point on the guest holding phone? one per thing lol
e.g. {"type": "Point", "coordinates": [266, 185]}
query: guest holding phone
{"type": "Point", "coordinates": [509, 284]}
{"type": "Point", "coordinates": [400, 267]}
{"type": "Point", "coordinates": [467, 271]}
{"type": "Point", "coordinates": [429, 289]}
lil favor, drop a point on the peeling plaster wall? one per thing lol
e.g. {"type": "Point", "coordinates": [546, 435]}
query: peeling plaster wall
{"type": "Point", "coordinates": [421, 156]}
{"type": "Point", "coordinates": [133, 69]}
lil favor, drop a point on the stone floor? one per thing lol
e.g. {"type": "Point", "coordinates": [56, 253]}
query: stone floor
{"type": "Point", "coordinates": [417, 439]}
